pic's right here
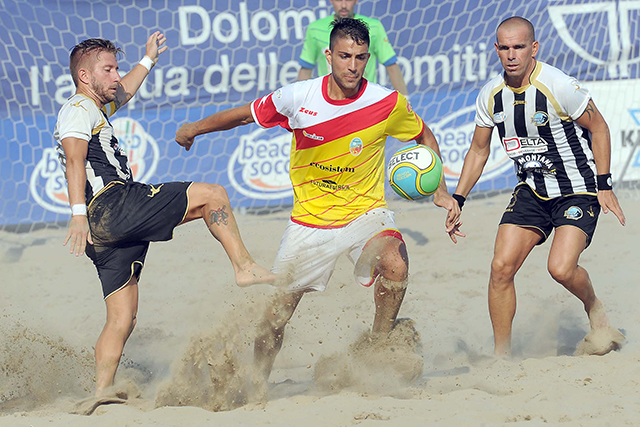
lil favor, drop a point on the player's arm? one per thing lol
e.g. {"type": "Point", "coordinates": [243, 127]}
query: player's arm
{"type": "Point", "coordinates": [130, 83]}
{"type": "Point", "coordinates": [475, 160]}
{"type": "Point", "coordinates": [222, 120]}
{"type": "Point", "coordinates": [75, 150]}
{"type": "Point", "coordinates": [441, 197]}
{"type": "Point", "coordinates": [472, 168]}
{"type": "Point", "coordinates": [305, 73]}
{"type": "Point", "coordinates": [308, 57]}
{"type": "Point", "coordinates": [601, 146]}
{"type": "Point", "coordinates": [397, 80]}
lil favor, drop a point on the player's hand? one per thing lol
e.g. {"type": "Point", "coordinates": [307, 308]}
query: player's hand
{"type": "Point", "coordinates": [154, 46]}
{"type": "Point", "coordinates": [78, 235]}
{"type": "Point", "coordinates": [609, 202]}
{"type": "Point", "coordinates": [455, 231]}
{"type": "Point", "coordinates": [452, 221]}
{"type": "Point", "coordinates": [185, 136]}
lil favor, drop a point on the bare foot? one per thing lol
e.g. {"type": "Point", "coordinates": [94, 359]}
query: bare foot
{"type": "Point", "coordinates": [598, 316]}
{"type": "Point", "coordinates": [253, 274]}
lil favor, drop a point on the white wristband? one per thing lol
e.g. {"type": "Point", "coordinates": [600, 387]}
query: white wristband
{"type": "Point", "coordinates": [79, 210]}
{"type": "Point", "coordinates": [147, 63]}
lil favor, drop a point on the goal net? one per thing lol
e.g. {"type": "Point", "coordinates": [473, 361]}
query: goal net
{"type": "Point", "coordinates": [227, 53]}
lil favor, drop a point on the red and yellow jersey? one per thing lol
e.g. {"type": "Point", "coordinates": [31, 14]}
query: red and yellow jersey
{"type": "Point", "coordinates": [337, 153]}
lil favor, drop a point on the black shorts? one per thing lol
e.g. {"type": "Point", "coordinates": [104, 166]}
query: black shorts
{"type": "Point", "coordinates": [123, 219]}
{"type": "Point", "coordinates": [527, 209]}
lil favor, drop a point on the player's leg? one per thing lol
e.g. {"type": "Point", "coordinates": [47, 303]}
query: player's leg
{"type": "Point", "coordinates": [270, 334]}
{"type": "Point", "coordinates": [210, 202]}
{"type": "Point", "coordinates": [386, 257]}
{"type": "Point", "coordinates": [306, 258]}
{"type": "Point", "coordinates": [513, 245]}
{"type": "Point", "coordinates": [122, 307]}
{"type": "Point", "coordinates": [568, 244]}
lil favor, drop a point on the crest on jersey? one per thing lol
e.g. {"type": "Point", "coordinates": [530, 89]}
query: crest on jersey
{"type": "Point", "coordinates": [499, 117]}
{"type": "Point", "coordinates": [540, 118]}
{"type": "Point", "coordinates": [573, 212]}
{"type": "Point", "coordinates": [355, 146]}
{"type": "Point", "coordinates": [48, 185]}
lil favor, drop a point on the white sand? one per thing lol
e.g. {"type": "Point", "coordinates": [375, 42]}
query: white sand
{"type": "Point", "coordinates": [192, 316]}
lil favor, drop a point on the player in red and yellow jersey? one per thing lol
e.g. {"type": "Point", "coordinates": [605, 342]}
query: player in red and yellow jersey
{"type": "Point", "coordinates": [340, 124]}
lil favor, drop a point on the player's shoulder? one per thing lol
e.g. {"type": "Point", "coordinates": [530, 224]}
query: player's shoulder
{"type": "Point", "coordinates": [552, 76]}
{"type": "Point", "coordinates": [78, 104]}
{"type": "Point", "coordinates": [373, 23]}
{"type": "Point", "coordinates": [376, 89]}
{"type": "Point", "coordinates": [491, 85]}
{"type": "Point", "coordinates": [322, 24]}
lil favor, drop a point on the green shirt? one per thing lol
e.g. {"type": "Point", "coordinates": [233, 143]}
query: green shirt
{"type": "Point", "coordinates": [317, 40]}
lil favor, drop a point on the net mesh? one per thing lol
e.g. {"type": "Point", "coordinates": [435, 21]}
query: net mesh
{"type": "Point", "coordinates": [227, 53]}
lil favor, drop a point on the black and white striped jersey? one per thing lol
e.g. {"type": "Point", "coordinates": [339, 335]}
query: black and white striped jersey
{"type": "Point", "coordinates": [106, 161]}
{"type": "Point", "coordinates": [551, 152]}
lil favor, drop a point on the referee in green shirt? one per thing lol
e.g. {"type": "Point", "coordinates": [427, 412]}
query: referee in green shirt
{"type": "Point", "coordinates": [316, 42]}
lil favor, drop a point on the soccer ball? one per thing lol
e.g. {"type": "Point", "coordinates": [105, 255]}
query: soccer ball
{"type": "Point", "coordinates": [415, 172]}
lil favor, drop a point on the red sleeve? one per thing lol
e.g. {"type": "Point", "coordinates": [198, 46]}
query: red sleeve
{"type": "Point", "coordinates": [266, 115]}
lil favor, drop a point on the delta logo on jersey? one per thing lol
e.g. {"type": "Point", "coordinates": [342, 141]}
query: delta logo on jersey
{"type": "Point", "coordinates": [518, 146]}
{"type": "Point", "coordinates": [585, 20]}
{"type": "Point", "coordinates": [48, 185]}
{"type": "Point", "coordinates": [259, 167]}
{"type": "Point", "coordinates": [454, 134]}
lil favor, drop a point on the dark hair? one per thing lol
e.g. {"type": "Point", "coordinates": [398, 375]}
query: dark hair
{"type": "Point", "coordinates": [355, 29]}
{"type": "Point", "coordinates": [519, 20]}
{"type": "Point", "coordinates": [79, 51]}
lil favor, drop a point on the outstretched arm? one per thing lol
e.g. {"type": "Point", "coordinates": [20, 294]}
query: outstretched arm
{"type": "Point", "coordinates": [441, 197]}
{"type": "Point", "coordinates": [601, 145]}
{"type": "Point", "coordinates": [130, 83]}
{"type": "Point", "coordinates": [222, 120]}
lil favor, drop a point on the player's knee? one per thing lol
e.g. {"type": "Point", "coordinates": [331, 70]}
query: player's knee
{"type": "Point", "coordinates": [122, 325]}
{"type": "Point", "coordinates": [501, 271]}
{"type": "Point", "coordinates": [395, 271]}
{"type": "Point", "coordinates": [394, 264]}
{"type": "Point", "coordinates": [217, 194]}
{"type": "Point", "coordinates": [561, 273]}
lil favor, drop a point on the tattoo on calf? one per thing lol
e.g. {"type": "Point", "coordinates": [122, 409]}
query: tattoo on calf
{"type": "Point", "coordinates": [219, 216]}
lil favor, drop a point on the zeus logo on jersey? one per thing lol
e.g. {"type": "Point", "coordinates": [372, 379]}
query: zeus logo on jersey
{"type": "Point", "coordinates": [518, 146]}
{"type": "Point", "coordinates": [309, 112]}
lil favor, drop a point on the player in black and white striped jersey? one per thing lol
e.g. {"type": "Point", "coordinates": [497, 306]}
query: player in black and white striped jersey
{"type": "Point", "coordinates": [560, 144]}
{"type": "Point", "coordinates": [116, 216]}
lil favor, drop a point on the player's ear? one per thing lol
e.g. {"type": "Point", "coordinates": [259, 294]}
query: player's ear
{"type": "Point", "coordinates": [83, 76]}
{"type": "Point", "coordinates": [327, 53]}
{"type": "Point", "coordinates": [535, 46]}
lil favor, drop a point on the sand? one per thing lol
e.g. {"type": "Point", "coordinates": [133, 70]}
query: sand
{"type": "Point", "coordinates": [192, 346]}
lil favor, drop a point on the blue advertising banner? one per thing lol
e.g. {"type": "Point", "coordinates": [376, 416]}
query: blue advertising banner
{"type": "Point", "coordinates": [226, 53]}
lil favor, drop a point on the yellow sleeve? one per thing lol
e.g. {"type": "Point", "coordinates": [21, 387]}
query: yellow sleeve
{"type": "Point", "coordinates": [109, 108]}
{"type": "Point", "coordinates": [403, 123]}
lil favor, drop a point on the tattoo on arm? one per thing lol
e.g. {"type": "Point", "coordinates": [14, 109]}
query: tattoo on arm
{"type": "Point", "coordinates": [219, 216]}
{"type": "Point", "coordinates": [590, 109]}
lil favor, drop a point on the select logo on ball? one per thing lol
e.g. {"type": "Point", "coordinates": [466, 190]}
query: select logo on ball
{"type": "Point", "coordinates": [415, 172]}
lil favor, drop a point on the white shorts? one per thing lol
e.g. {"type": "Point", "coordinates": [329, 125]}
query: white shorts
{"type": "Point", "coordinates": [307, 255]}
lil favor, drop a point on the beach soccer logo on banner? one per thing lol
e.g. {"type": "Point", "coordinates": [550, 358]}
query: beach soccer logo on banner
{"type": "Point", "coordinates": [259, 167]}
{"type": "Point", "coordinates": [48, 185]}
{"type": "Point", "coordinates": [454, 134]}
